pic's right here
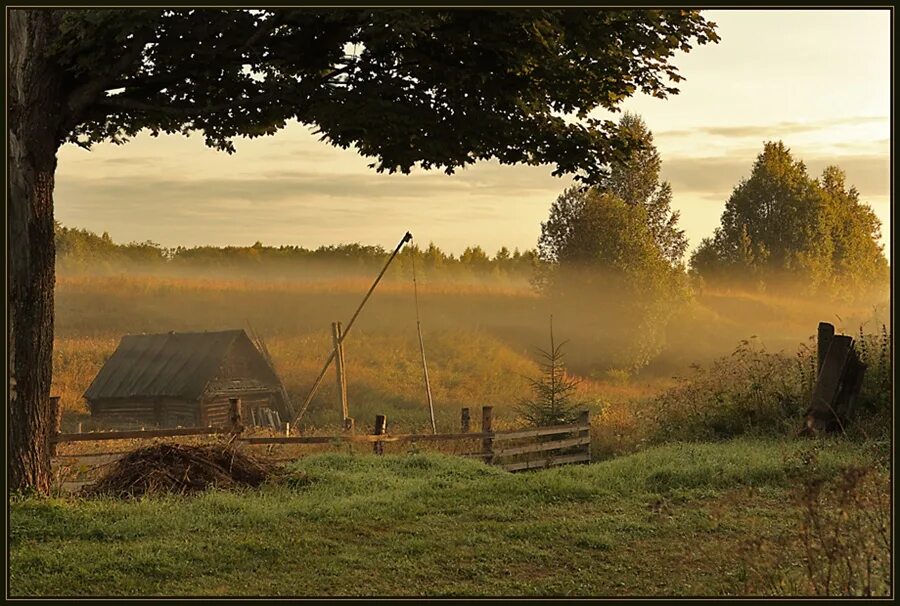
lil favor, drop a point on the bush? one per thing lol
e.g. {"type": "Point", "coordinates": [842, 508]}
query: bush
{"type": "Point", "coordinates": [754, 391]}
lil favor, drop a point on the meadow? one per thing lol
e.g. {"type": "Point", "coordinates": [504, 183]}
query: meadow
{"type": "Point", "coordinates": [743, 517]}
{"type": "Point", "coordinates": [698, 486]}
{"type": "Point", "coordinates": [481, 339]}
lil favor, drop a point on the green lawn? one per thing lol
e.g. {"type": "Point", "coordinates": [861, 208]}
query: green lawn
{"type": "Point", "coordinates": [677, 519]}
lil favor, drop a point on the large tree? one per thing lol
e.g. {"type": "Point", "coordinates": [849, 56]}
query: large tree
{"type": "Point", "coordinates": [636, 180]}
{"type": "Point", "coordinates": [782, 228]}
{"type": "Point", "coordinates": [407, 87]}
{"type": "Point", "coordinates": [607, 278]}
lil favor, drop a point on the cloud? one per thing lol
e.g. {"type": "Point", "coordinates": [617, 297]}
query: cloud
{"type": "Point", "coordinates": [714, 177]}
{"type": "Point", "coordinates": [772, 131]}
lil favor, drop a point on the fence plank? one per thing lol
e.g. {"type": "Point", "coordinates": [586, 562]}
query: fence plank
{"type": "Point", "coordinates": [548, 462]}
{"type": "Point", "coordinates": [132, 435]}
{"type": "Point", "coordinates": [540, 431]}
{"type": "Point", "coordinates": [542, 446]}
{"type": "Point", "coordinates": [409, 437]}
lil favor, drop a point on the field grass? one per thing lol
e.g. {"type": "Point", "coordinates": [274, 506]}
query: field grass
{"type": "Point", "coordinates": [480, 336]}
{"type": "Point", "coordinates": [679, 519]}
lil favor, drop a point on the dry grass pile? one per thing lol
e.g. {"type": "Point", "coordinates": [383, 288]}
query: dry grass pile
{"type": "Point", "coordinates": [181, 469]}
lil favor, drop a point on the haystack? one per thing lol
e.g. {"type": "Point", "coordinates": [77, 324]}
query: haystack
{"type": "Point", "coordinates": [181, 469]}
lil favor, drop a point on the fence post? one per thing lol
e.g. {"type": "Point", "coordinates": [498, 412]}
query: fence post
{"type": "Point", "coordinates": [584, 419]}
{"type": "Point", "coordinates": [55, 423]}
{"type": "Point", "coordinates": [237, 424]}
{"type": "Point", "coordinates": [823, 340]}
{"type": "Point", "coordinates": [487, 426]}
{"type": "Point", "coordinates": [464, 421]}
{"type": "Point", "coordinates": [380, 426]}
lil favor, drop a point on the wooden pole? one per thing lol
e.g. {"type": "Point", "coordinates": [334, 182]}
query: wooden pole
{"type": "Point", "coordinates": [380, 427]}
{"type": "Point", "coordinates": [487, 426]}
{"type": "Point", "coordinates": [584, 418]}
{"type": "Point", "coordinates": [340, 368]}
{"type": "Point", "coordinates": [823, 342]}
{"type": "Point", "coordinates": [315, 388]}
{"type": "Point", "coordinates": [464, 421]}
{"type": "Point", "coordinates": [236, 415]}
{"type": "Point", "coordinates": [56, 423]}
{"type": "Point", "coordinates": [427, 382]}
{"type": "Point", "coordinates": [422, 349]}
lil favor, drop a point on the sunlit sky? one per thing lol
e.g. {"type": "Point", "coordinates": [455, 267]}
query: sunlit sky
{"type": "Point", "coordinates": [817, 79]}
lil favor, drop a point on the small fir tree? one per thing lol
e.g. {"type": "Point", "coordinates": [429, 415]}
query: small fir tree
{"type": "Point", "coordinates": [552, 400]}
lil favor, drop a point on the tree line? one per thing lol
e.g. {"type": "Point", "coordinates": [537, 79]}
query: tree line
{"type": "Point", "coordinates": [611, 256]}
{"type": "Point", "coordinates": [80, 250]}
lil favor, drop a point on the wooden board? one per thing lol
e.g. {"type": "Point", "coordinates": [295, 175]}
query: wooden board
{"type": "Point", "coordinates": [418, 437]}
{"type": "Point", "coordinates": [540, 431]}
{"type": "Point", "coordinates": [543, 446]}
{"type": "Point", "coordinates": [132, 435]}
{"type": "Point", "coordinates": [548, 462]}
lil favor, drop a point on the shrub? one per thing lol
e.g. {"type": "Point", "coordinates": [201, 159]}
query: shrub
{"type": "Point", "coordinates": [754, 391]}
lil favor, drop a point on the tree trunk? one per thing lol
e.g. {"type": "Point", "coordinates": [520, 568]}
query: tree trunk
{"type": "Point", "coordinates": [36, 111]}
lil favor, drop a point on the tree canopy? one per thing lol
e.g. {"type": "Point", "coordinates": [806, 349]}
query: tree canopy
{"type": "Point", "coordinates": [782, 228]}
{"type": "Point", "coordinates": [610, 281]}
{"type": "Point", "coordinates": [435, 88]}
{"type": "Point", "coordinates": [636, 181]}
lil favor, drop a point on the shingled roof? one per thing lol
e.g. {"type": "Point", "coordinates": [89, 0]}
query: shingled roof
{"type": "Point", "coordinates": [171, 364]}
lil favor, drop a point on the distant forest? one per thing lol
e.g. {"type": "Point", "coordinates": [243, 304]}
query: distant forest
{"type": "Point", "coordinates": [80, 250]}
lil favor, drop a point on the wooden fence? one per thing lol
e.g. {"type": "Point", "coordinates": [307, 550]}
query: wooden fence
{"type": "Point", "coordinates": [514, 450]}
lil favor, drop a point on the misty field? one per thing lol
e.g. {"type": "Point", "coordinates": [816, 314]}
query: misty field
{"type": "Point", "coordinates": [698, 485]}
{"type": "Point", "coordinates": [481, 339]}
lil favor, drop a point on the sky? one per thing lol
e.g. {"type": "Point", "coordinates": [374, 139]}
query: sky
{"type": "Point", "coordinates": [817, 79]}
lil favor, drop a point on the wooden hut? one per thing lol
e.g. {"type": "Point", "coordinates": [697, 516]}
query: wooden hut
{"type": "Point", "coordinates": [186, 380]}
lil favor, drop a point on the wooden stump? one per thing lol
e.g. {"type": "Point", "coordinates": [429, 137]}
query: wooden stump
{"type": "Point", "coordinates": [823, 414]}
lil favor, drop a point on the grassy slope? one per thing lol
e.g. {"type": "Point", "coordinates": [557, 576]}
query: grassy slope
{"type": "Point", "coordinates": [676, 519]}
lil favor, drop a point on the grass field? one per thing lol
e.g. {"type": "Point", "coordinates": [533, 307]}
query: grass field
{"type": "Point", "coordinates": [755, 515]}
{"type": "Point", "coordinates": [481, 338]}
{"type": "Point", "coordinates": [680, 519]}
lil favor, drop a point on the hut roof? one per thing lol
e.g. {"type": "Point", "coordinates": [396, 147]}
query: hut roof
{"type": "Point", "coordinates": [170, 364]}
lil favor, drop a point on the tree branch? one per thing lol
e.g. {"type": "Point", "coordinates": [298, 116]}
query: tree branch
{"type": "Point", "coordinates": [266, 29]}
{"type": "Point", "coordinates": [87, 94]}
{"type": "Point", "coordinates": [121, 102]}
